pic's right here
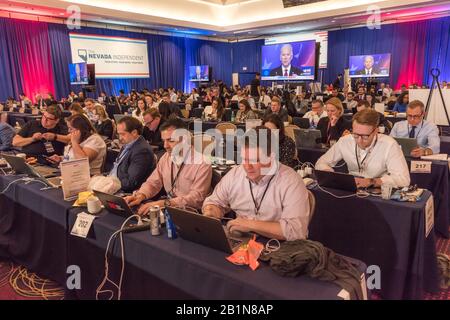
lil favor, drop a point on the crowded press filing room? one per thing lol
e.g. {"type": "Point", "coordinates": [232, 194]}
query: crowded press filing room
{"type": "Point", "coordinates": [261, 151]}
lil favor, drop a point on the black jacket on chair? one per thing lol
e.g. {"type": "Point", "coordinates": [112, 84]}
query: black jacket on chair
{"type": "Point", "coordinates": [136, 166]}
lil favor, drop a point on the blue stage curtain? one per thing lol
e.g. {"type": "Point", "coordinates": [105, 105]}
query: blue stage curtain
{"type": "Point", "coordinates": [247, 54]}
{"type": "Point", "coordinates": [203, 52]}
{"type": "Point", "coordinates": [8, 75]}
{"type": "Point", "coordinates": [437, 49]}
{"type": "Point", "coordinates": [405, 41]}
{"type": "Point", "coordinates": [61, 57]}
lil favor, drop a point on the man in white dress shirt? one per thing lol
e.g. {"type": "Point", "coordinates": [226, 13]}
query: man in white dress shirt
{"type": "Point", "coordinates": [374, 159]}
{"type": "Point", "coordinates": [317, 112]}
{"type": "Point", "coordinates": [269, 198]}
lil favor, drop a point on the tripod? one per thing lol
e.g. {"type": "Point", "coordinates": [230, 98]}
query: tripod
{"type": "Point", "coordinates": [435, 73]}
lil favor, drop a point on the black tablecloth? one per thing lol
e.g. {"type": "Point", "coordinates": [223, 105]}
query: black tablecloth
{"type": "Point", "coordinates": [157, 267]}
{"type": "Point", "coordinates": [388, 234]}
{"type": "Point", "coordinates": [33, 228]}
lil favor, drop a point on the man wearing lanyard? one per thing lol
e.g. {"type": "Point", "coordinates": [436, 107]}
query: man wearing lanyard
{"type": "Point", "coordinates": [135, 161]}
{"type": "Point", "coordinates": [374, 159]}
{"type": "Point", "coordinates": [268, 197]}
{"type": "Point", "coordinates": [184, 174]}
{"type": "Point", "coordinates": [415, 127]}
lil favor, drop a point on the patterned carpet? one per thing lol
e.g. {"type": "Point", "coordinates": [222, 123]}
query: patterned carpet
{"type": "Point", "coordinates": [17, 284]}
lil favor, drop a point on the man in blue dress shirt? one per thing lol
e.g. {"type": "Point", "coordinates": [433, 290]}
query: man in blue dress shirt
{"type": "Point", "coordinates": [426, 133]}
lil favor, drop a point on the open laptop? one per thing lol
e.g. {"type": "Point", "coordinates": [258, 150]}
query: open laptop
{"type": "Point", "coordinates": [407, 145]}
{"type": "Point", "coordinates": [204, 230]}
{"type": "Point", "coordinates": [336, 180]}
{"type": "Point", "coordinates": [308, 138]}
{"type": "Point", "coordinates": [117, 205]}
{"type": "Point", "coordinates": [114, 204]}
{"type": "Point", "coordinates": [303, 123]}
{"type": "Point", "coordinates": [20, 166]}
{"type": "Point", "coordinates": [118, 117]}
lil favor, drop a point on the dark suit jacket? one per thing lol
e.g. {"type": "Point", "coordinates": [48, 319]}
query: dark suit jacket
{"type": "Point", "coordinates": [375, 71]}
{"type": "Point", "coordinates": [137, 165]}
{"type": "Point", "coordinates": [279, 71]}
{"type": "Point", "coordinates": [336, 131]}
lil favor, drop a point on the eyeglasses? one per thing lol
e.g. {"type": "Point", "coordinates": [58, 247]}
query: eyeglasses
{"type": "Point", "coordinates": [413, 116]}
{"type": "Point", "coordinates": [364, 137]}
{"type": "Point", "coordinates": [47, 118]}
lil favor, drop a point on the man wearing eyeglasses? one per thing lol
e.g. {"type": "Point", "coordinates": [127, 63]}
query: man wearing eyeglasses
{"type": "Point", "coordinates": [151, 132]}
{"type": "Point", "coordinates": [374, 159]}
{"type": "Point", "coordinates": [415, 127]}
{"type": "Point", "coordinates": [43, 137]}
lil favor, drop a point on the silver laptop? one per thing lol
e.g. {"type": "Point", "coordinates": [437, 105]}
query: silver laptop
{"type": "Point", "coordinates": [20, 166]}
{"type": "Point", "coordinates": [407, 145]}
{"type": "Point", "coordinates": [308, 138]}
{"type": "Point", "coordinates": [205, 230]}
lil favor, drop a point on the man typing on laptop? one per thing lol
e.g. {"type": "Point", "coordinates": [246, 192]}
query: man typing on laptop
{"type": "Point", "coordinates": [374, 159]}
{"type": "Point", "coordinates": [185, 176]}
{"type": "Point", "coordinates": [269, 198]}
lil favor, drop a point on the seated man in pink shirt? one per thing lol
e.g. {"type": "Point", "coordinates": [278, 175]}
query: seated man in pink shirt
{"type": "Point", "coordinates": [183, 173]}
{"type": "Point", "coordinates": [268, 197]}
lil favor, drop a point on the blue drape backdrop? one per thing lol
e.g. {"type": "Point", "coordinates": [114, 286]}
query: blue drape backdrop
{"type": "Point", "coordinates": [32, 53]}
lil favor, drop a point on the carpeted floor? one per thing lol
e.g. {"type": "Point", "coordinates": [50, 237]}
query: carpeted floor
{"type": "Point", "coordinates": [17, 284]}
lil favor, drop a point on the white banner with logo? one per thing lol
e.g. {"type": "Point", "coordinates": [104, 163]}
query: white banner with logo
{"type": "Point", "coordinates": [114, 57]}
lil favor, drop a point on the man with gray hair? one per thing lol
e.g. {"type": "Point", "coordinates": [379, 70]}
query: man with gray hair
{"type": "Point", "coordinates": [369, 67]}
{"type": "Point", "coordinates": [415, 127]}
{"type": "Point", "coordinates": [286, 69]}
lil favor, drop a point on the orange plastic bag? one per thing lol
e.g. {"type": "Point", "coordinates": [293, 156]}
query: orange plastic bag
{"type": "Point", "coordinates": [247, 254]}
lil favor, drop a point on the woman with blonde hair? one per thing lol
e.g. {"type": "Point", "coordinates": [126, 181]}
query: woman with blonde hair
{"type": "Point", "coordinates": [102, 123]}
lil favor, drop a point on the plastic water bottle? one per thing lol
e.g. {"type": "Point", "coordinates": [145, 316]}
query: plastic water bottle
{"type": "Point", "coordinates": [233, 117]}
{"type": "Point", "coordinates": [170, 227]}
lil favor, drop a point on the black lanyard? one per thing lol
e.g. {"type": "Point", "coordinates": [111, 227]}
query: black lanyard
{"type": "Point", "coordinates": [264, 194]}
{"type": "Point", "coordinates": [172, 180]}
{"type": "Point", "coordinates": [360, 165]}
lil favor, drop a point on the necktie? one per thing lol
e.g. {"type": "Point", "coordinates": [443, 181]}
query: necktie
{"type": "Point", "coordinates": [286, 73]}
{"type": "Point", "coordinates": [412, 133]}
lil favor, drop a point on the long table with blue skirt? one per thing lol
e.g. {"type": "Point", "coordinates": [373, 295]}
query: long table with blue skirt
{"type": "Point", "coordinates": [445, 144]}
{"type": "Point", "coordinates": [438, 182]}
{"type": "Point", "coordinates": [157, 267]}
{"type": "Point", "coordinates": [384, 233]}
{"type": "Point", "coordinates": [35, 232]}
{"type": "Point", "coordinates": [33, 227]}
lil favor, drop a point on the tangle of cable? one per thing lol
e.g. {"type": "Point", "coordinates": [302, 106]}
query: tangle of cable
{"type": "Point", "coordinates": [31, 286]}
{"type": "Point", "coordinates": [122, 270]}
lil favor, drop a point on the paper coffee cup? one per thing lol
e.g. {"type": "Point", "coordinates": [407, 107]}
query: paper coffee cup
{"type": "Point", "coordinates": [94, 205]}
